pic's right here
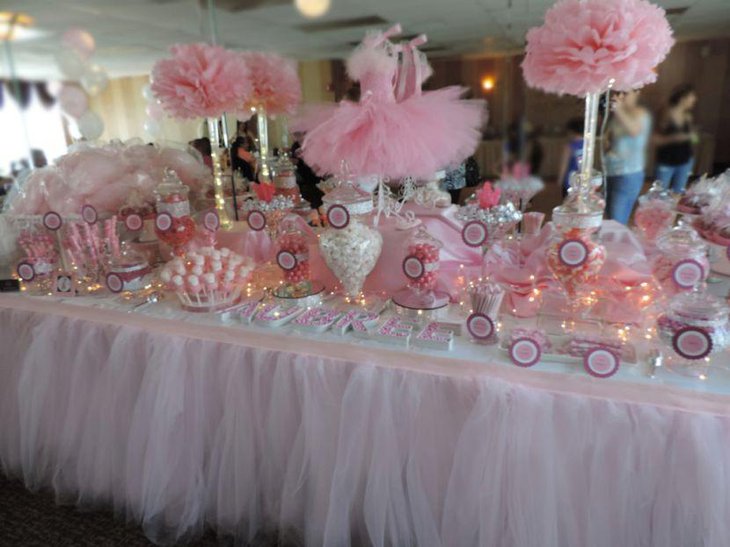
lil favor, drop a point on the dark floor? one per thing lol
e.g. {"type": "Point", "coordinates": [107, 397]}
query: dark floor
{"type": "Point", "coordinates": [34, 520]}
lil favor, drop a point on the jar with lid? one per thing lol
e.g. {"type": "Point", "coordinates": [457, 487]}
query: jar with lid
{"type": "Point", "coordinates": [575, 256]}
{"type": "Point", "coordinates": [128, 270]}
{"type": "Point", "coordinates": [292, 257]}
{"type": "Point", "coordinates": [655, 213]}
{"type": "Point", "coordinates": [349, 246]}
{"type": "Point", "coordinates": [173, 223]}
{"type": "Point", "coordinates": [682, 263]}
{"type": "Point", "coordinates": [694, 328]}
{"type": "Point", "coordinates": [285, 178]}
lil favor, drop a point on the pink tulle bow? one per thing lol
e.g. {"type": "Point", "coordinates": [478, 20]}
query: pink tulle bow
{"type": "Point", "coordinates": [201, 80]}
{"type": "Point", "coordinates": [488, 196]}
{"type": "Point", "coordinates": [265, 192]}
{"type": "Point", "coordinates": [275, 83]}
{"type": "Point", "coordinates": [586, 45]}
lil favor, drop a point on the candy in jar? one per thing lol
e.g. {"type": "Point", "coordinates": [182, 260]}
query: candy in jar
{"type": "Point", "coordinates": [575, 259]}
{"type": "Point", "coordinates": [349, 246]}
{"type": "Point", "coordinates": [655, 213]}
{"type": "Point", "coordinates": [285, 178]}
{"type": "Point", "coordinates": [173, 224]}
{"type": "Point", "coordinates": [292, 256]}
{"type": "Point", "coordinates": [681, 263]}
{"type": "Point", "coordinates": [421, 262]}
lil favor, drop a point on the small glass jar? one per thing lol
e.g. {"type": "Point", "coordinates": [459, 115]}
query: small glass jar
{"type": "Point", "coordinates": [285, 178]}
{"type": "Point", "coordinates": [128, 271]}
{"type": "Point", "coordinates": [349, 246]}
{"type": "Point", "coordinates": [682, 262]}
{"type": "Point", "coordinates": [694, 327]}
{"type": "Point", "coordinates": [292, 256]}
{"type": "Point", "coordinates": [173, 224]}
{"type": "Point", "coordinates": [655, 213]}
{"type": "Point", "coordinates": [422, 259]}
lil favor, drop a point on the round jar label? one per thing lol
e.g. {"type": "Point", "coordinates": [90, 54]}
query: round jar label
{"type": "Point", "coordinates": [692, 343]}
{"type": "Point", "coordinates": [601, 362]}
{"type": "Point", "coordinates": [338, 216]}
{"type": "Point", "coordinates": [413, 267]}
{"type": "Point", "coordinates": [211, 220]}
{"type": "Point", "coordinates": [474, 233]}
{"type": "Point", "coordinates": [133, 222]}
{"type": "Point", "coordinates": [256, 220]}
{"type": "Point", "coordinates": [25, 270]}
{"type": "Point", "coordinates": [64, 284]}
{"type": "Point", "coordinates": [89, 214]}
{"type": "Point", "coordinates": [52, 220]}
{"type": "Point", "coordinates": [114, 282]}
{"type": "Point", "coordinates": [525, 352]}
{"type": "Point", "coordinates": [573, 253]}
{"type": "Point", "coordinates": [687, 273]}
{"type": "Point", "coordinates": [480, 325]}
{"type": "Point", "coordinates": [286, 260]}
{"type": "Point", "coordinates": [163, 221]}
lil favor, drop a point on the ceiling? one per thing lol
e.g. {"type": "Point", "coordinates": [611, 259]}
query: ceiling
{"type": "Point", "coordinates": [132, 34]}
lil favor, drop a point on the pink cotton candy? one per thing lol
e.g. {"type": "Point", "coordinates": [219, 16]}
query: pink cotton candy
{"type": "Point", "coordinates": [583, 45]}
{"type": "Point", "coordinates": [201, 80]}
{"type": "Point", "coordinates": [274, 83]}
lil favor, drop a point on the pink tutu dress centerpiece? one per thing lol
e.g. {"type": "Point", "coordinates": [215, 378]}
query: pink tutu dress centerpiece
{"type": "Point", "coordinates": [414, 135]}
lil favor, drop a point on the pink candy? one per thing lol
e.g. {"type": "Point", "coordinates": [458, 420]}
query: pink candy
{"type": "Point", "coordinates": [296, 244]}
{"type": "Point", "coordinates": [652, 220]}
{"type": "Point", "coordinates": [428, 254]}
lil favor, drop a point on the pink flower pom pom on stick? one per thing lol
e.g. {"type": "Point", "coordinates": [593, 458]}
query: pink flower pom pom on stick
{"type": "Point", "coordinates": [488, 196]}
{"type": "Point", "coordinates": [586, 45]}
{"type": "Point", "coordinates": [201, 80]}
{"type": "Point", "coordinates": [274, 81]}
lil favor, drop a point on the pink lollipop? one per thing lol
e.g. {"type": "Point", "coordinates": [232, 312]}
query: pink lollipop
{"type": "Point", "coordinates": [194, 286]}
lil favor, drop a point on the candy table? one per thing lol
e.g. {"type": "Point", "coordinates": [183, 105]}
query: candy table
{"type": "Point", "coordinates": [178, 421]}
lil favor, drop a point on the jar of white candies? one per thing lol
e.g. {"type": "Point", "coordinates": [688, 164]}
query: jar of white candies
{"type": "Point", "coordinates": [349, 246]}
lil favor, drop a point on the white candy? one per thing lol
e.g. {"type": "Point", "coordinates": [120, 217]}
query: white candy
{"type": "Point", "coordinates": [217, 266]}
{"type": "Point", "coordinates": [197, 270]}
{"type": "Point", "coordinates": [193, 280]}
{"type": "Point", "coordinates": [225, 251]}
{"type": "Point", "coordinates": [215, 255]}
{"type": "Point", "coordinates": [177, 280]}
{"type": "Point", "coordinates": [351, 254]}
{"type": "Point", "coordinates": [209, 278]}
{"type": "Point", "coordinates": [166, 275]}
{"type": "Point", "coordinates": [229, 276]}
{"type": "Point", "coordinates": [198, 260]}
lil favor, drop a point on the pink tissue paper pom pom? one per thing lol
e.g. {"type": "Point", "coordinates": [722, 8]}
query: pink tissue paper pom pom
{"type": "Point", "coordinates": [275, 83]}
{"type": "Point", "coordinates": [583, 45]}
{"type": "Point", "coordinates": [201, 81]}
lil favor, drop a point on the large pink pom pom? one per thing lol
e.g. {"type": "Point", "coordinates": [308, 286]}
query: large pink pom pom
{"type": "Point", "coordinates": [275, 83]}
{"type": "Point", "coordinates": [201, 81]}
{"type": "Point", "coordinates": [583, 45]}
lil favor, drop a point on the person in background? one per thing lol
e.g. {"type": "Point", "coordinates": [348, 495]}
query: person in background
{"type": "Point", "coordinates": [242, 159]}
{"type": "Point", "coordinates": [675, 137]}
{"type": "Point", "coordinates": [628, 135]}
{"type": "Point", "coordinates": [572, 153]}
{"type": "Point", "coordinates": [38, 158]}
{"type": "Point", "coordinates": [307, 179]}
{"type": "Point", "coordinates": [202, 145]}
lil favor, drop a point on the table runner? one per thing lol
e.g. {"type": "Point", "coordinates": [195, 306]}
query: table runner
{"type": "Point", "coordinates": [178, 424]}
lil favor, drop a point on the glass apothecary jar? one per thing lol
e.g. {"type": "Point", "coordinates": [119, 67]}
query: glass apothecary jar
{"type": "Point", "coordinates": [682, 262]}
{"type": "Point", "coordinates": [655, 213]}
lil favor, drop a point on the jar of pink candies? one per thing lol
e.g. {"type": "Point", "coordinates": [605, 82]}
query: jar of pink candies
{"type": "Point", "coordinates": [292, 256]}
{"type": "Point", "coordinates": [682, 263]}
{"type": "Point", "coordinates": [173, 223]}
{"type": "Point", "coordinates": [655, 213]}
{"type": "Point", "coordinates": [422, 258]}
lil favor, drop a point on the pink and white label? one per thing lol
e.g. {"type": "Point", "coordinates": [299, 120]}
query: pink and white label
{"type": "Point", "coordinates": [89, 214]}
{"type": "Point", "coordinates": [286, 260]}
{"type": "Point", "coordinates": [114, 282]}
{"type": "Point", "coordinates": [64, 284]}
{"type": "Point", "coordinates": [692, 343]}
{"type": "Point", "coordinates": [26, 272]}
{"type": "Point", "coordinates": [413, 267]}
{"type": "Point", "coordinates": [211, 220]}
{"type": "Point", "coordinates": [256, 220]}
{"type": "Point", "coordinates": [687, 273]}
{"type": "Point", "coordinates": [525, 352]}
{"type": "Point", "coordinates": [573, 253]}
{"type": "Point", "coordinates": [480, 325]}
{"type": "Point", "coordinates": [133, 222]}
{"type": "Point", "coordinates": [163, 221]}
{"type": "Point", "coordinates": [52, 220]}
{"type": "Point", "coordinates": [338, 216]}
{"type": "Point", "coordinates": [601, 362]}
{"type": "Point", "coordinates": [474, 233]}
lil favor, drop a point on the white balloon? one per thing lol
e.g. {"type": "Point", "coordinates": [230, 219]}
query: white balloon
{"type": "Point", "coordinates": [147, 93]}
{"type": "Point", "coordinates": [90, 125]}
{"type": "Point", "coordinates": [95, 80]}
{"type": "Point", "coordinates": [70, 63]}
{"type": "Point", "coordinates": [152, 127]}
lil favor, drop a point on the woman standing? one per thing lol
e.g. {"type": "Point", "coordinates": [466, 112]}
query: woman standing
{"type": "Point", "coordinates": [628, 132]}
{"type": "Point", "coordinates": [674, 138]}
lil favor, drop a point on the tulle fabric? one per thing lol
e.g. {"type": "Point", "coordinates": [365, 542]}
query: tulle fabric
{"type": "Point", "coordinates": [416, 137]}
{"type": "Point", "coordinates": [178, 432]}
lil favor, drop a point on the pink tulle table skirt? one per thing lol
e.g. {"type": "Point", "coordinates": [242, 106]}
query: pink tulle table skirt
{"type": "Point", "coordinates": [177, 425]}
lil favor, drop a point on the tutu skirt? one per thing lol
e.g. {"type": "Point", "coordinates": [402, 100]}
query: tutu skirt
{"type": "Point", "coordinates": [416, 137]}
